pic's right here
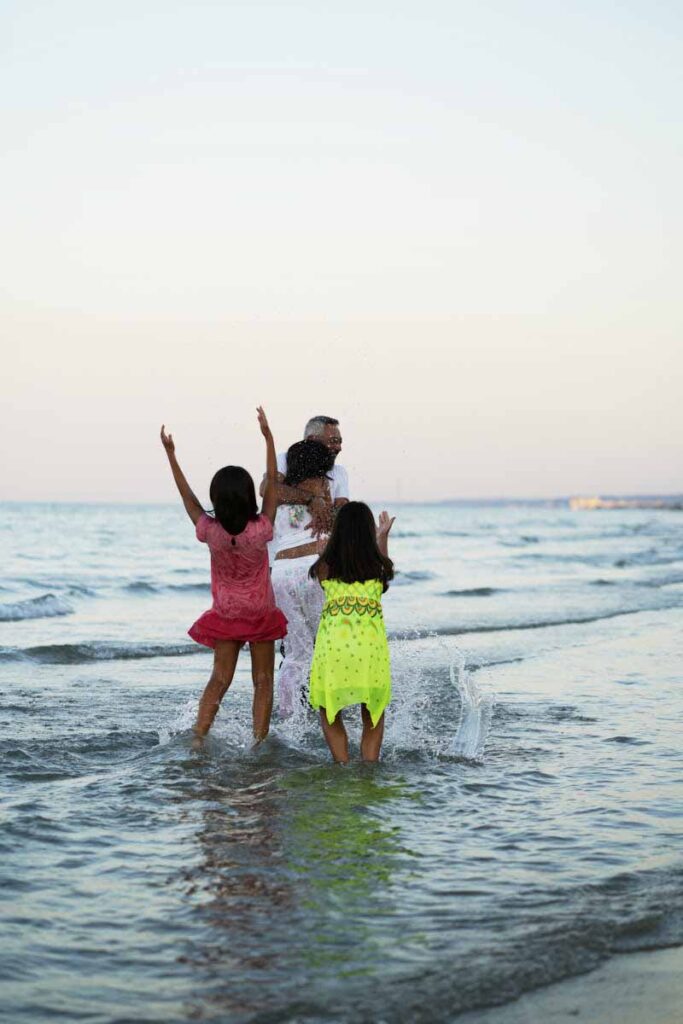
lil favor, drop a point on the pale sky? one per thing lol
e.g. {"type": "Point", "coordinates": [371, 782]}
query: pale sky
{"type": "Point", "coordinates": [456, 226]}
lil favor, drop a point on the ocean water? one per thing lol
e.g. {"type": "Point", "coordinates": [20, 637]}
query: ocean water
{"type": "Point", "coordinates": [524, 824]}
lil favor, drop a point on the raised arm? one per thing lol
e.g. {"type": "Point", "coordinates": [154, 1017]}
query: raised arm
{"type": "Point", "coordinates": [385, 523]}
{"type": "Point", "coordinates": [192, 506]}
{"type": "Point", "coordinates": [270, 499]}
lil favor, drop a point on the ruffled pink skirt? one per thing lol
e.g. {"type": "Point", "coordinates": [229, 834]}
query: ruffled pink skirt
{"type": "Point", "coordinates": [210, 628]}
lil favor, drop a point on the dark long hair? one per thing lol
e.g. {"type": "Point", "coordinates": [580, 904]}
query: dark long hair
{"type": "Point", "coordinates": [352, 554]}
{"type": "Point", "coordinates": [307, 459]}
{"type": "Point", "coordinates": [233, 498]}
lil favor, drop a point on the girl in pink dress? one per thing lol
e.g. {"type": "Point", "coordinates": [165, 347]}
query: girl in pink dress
{"type": "Point", "coordinates": [243, 610]}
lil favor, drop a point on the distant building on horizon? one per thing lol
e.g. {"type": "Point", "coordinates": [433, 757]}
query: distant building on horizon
{"type": "Point", "coordinates": [580, 504]}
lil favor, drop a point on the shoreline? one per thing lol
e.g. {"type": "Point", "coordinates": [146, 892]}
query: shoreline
{"type": "Point", "coordinates": [630, 988]}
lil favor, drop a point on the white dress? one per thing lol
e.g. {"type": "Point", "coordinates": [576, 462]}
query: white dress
{"type": "Point", "coordinates": [301, 599]}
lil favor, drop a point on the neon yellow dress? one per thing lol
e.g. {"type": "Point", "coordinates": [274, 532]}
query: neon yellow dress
{"type": "Point", "coordinates": [351, 657]}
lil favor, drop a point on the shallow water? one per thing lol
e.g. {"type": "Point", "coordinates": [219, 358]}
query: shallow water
{"type": "Point", "coordinates": [525, 821]}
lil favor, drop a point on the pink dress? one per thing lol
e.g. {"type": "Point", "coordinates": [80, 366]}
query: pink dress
{"type": "Point", "coordinates": [243, 602]}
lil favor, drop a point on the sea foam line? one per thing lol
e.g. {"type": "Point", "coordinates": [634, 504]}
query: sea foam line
{"type": "Point", "coordinates": [78, 654]}
{"type": "Point", "coordinates": [44, 607]}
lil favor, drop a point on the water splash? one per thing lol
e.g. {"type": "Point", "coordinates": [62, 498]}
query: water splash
{"type": "Point", "coordinates": [476, 711]}
{"type": "Point", "coordinates": [437, 707]}
{"type": "Point", "coordinates": [301, 730]}
{"type": "Point", "coordinates": [232, 723]}
{"type": "Point", "coordinates": [437, 710]}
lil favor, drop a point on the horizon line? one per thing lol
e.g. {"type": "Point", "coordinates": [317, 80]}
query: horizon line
{"type": "Point", "coordinates": [500, 499]}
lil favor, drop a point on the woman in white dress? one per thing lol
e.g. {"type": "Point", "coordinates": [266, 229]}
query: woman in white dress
{"type": "Point", "coordinates": [293, 551]}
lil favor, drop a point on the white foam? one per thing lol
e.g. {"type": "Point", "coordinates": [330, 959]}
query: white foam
{"type": "Point", "coordinates": [476, 711]}
{"type": "Point", "coordinates": [44, 607]}
{"type": "Point", "coordinates": [424, 716]}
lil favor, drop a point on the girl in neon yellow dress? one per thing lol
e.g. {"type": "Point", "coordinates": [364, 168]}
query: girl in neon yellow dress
{"type": "Point", "coordinates": [351, 657]}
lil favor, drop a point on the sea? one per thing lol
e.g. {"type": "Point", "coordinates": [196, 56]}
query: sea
{"type": "Point", "coordinates": [523, 826]}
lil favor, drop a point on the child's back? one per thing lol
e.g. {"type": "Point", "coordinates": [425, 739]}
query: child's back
{"type": "Point", "coordinates": [351, 656]}
{"type": "Point", "coordinates": [240, 584]}
{"type": "Point", "coordinates": [351, 659]}
{"type": "Point", "coordinates": [243, 609]}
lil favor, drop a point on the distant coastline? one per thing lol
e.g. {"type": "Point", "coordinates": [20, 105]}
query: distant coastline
{"type": "Point", "coordinates": [666, 502]}
{"type": "Point", "coordinates": [672, 502]}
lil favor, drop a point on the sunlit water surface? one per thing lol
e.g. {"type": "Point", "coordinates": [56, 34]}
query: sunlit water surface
{"type": "Point", "coordinates": [524, 824]}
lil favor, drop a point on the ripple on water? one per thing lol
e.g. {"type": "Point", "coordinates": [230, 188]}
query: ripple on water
{"type": "Point", "coordinates": [231, 884]}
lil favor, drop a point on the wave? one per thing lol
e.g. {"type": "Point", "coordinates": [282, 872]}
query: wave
{"type": "Point", "coordinates": [641, 911]}
{"type": "Point", "coordinates": [505, 627]}
{"type": "Point", "coordinates": [518, 542]}
{"type": "Point", "coordinates": [642, 559]}
{"type": "Point", "coordinates": [645, 558]}
{"type": "Point", "coordinates": [79, 654]}
{"type": "Point", "coordinates": [80, 590]}
{"type": "Point", "coordinates": [404, 578]}
{"type": "Point", "coordinates": [58, 582]}
{"type": "Point", "coordinates": [474, 592]}
{"type": "Point", "coordinates": [44, 607]}
{"type": "Point", "coordinates": [143, 587]}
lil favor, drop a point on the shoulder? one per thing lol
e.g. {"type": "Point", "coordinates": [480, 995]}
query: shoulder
{"type": "Point", "coordinates": [260, 529]}
{"type": "Point", "coordinates": [282, 462]}
{"type": "Point", "coordinates": [205, 527]}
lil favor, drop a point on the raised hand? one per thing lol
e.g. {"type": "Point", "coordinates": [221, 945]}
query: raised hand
{"type": "Point", "coordinates": [270, 500]}
{"type": "Point", "coordinates": [167, 441]}
{"type": "Point", "coordinates": [192, 506]}
{"type": "Point", "coordinates": [263, 422]}
{"type": "Point", "coordinates": [385, 523]}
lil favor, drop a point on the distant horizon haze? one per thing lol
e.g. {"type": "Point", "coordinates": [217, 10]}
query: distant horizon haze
{"type": "Point", "coordinates": [457, 228]}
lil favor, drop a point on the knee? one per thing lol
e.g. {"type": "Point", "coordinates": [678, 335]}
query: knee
{"type": "Point", "coordinates": [263, 679]}
{"type": "Point", "coordinates": [220, 680]}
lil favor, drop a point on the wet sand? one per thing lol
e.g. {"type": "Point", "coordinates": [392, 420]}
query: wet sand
{"type": "Point", "coordinates": [638, 988]}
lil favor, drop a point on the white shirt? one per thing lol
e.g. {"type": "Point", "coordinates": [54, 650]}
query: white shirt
{"type": "Point", "coordinates": [289, 529]}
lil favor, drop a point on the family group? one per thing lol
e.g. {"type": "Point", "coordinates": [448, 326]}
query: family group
{"type": "Point", "coordinates": [309, 571]}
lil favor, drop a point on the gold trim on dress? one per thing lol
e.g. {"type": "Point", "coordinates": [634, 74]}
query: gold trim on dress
{"type": "Point", "coordinates": [348, 604]}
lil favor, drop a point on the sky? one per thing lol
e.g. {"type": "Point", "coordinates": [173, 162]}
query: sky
{"type": "Point", "coordinates": [456, 227]}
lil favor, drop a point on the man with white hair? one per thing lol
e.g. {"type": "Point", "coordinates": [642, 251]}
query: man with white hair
{"type": "Point", "coordinates": [324, 429]}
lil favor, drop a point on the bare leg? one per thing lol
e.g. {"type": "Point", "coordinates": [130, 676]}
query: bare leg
{"type": "Point", "coordinates": [262, 670]}
{"type": "Point", "coordinates": [336, 737]}
{"type": "Point", "coordinates": [371, 740]}
{"type": "Point", "coordinates": [224, 663]}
